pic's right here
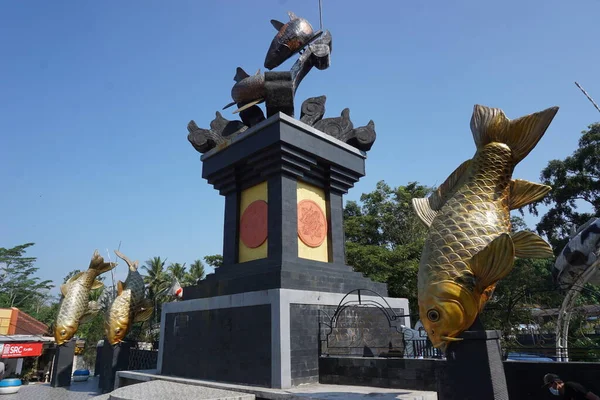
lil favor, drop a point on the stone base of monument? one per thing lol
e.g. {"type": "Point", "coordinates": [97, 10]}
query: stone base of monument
{"type": "Point", "coordinates": [62, 366]}
{"type": "Point", "coordinates": [474, 368]}
{"type": "Point", "coordinates": [269, 338]}
{"type": "Point", "coordinates": [131, 379]}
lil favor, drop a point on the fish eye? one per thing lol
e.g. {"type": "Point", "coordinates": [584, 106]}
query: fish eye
{"type": "Point", "coordinates": [433, 315]}
{"type": "Point", "coordinates": [118, 330]}
{"type": "Point", "coordinates": [63, 332]}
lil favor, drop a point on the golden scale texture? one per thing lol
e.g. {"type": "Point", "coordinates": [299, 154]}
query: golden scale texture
{"type": "Point", "coordinates": [470, 220]}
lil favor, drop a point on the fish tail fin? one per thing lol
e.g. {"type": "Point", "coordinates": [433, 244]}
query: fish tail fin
{"type": "Point", "coordinates": [521, 135]}
{"type": "Point", "coordinates": [99, 266]}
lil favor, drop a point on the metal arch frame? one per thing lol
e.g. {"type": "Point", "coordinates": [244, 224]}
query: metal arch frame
{"type": "Point", "coordinates": [565, 312]}
{"type": "Point", "coordinates": [388, 311]}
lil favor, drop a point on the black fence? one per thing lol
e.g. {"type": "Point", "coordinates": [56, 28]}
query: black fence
{"type": "Point", "coordinates": [142, 359]}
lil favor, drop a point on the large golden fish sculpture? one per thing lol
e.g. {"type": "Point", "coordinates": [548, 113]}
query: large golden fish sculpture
{"type": "Point", "coordinates": [75, 307]}
{"type": "Point", "coordinates": [129, 306]}
{"type": "Point", "coordinates": [469, 245]}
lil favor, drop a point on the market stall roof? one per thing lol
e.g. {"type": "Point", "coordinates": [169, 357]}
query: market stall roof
{"type": "Point", "coordinates": [25, 338]}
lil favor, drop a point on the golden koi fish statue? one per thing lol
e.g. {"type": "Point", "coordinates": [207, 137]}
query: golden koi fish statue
{"type": "Point", "coordinates": [469, 245]}
{"type": "Point", "coordinates": [75, 307]}
{"type": "Point", "coordinates": [129, 306]}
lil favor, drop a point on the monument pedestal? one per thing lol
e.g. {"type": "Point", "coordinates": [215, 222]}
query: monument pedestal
{"type": "Point", "coordinates": [62, 367]}
{"type": "Point", "coordinates": [256, 319]}
{"type": "Point", "coordinates": [474, 368]}
{"type": "Point", "coordinates": [114, 358]}
{"type": "Point", "coordinates": [268, 338]}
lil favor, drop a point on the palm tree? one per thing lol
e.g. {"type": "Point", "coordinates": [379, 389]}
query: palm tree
{"type": "Point", "coordinates": [177, 271]}
{"type": "Point", "coordinates": [157, 279]}
{"type": "Point", "coordinates": [157, 282]}
{"type": "Point", "coordinates": [195, 274]}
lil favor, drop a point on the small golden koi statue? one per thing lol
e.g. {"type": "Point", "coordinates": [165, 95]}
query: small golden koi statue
{"type": "Point", "coordinates": [129, 306]}
{"type": "Point", "coordinates": [469, 245]}
{"type": "Point", "coordinates": [75, 307]}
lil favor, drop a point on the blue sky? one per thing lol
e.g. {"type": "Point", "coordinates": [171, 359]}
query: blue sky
{"type": "Point", "coordinates": [95, 98]}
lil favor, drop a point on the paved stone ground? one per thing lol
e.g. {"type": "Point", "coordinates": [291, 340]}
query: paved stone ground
{"type": "Point", "coordinates": [43, 391]}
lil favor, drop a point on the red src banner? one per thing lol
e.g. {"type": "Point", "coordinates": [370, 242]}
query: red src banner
{"type": "Point", "coordinates": [17, 350]}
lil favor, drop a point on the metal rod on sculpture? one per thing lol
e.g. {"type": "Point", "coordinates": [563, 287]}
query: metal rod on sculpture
{"type": "Point", "coordinates": [588, 96]}
{"type": "Point", "coordinates": [320, 16]}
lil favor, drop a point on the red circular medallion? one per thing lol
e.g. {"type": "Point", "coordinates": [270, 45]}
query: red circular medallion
{"type": "Point", "coordinates": [312, 224]}
{"type": "Point", "coordinates": [253, 224]}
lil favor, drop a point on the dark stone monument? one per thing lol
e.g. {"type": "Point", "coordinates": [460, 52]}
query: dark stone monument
{"type": "Point", "coordinates": [62, 366]}
{"type": "Point", "coordinates": [256, 319]}
{"type": "Point", "coordinates": [283, 252]}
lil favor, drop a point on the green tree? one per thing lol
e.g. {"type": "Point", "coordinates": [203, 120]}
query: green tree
{"type": "Point", "coordinates": [157, 282]}
{"type": "Point", "coordinates": [215, 261]}
{"type": "Point", "coordinates": [176, 270]}
{"type": "Point", "coordinates": [19, 287]}
{"type": "Point", "coordinates": [575, 182]}
{"type": "Point", "coordinates": [195, 274]}
{"type": "Point", "coordinates": [384, 237]}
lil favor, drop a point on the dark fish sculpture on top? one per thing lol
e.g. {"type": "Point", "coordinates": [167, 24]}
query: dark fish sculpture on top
{"type": "Point", "coordinates": [469, 246]}
{"type": "Point", "coordinates": [290, 39]}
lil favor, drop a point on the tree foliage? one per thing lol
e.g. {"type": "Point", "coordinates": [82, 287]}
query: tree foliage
{"type": "Point", "coordinates": [384, 237]}
{"type": "Point", "coordinates": [195, 274]}
{"type": "Point", "coordinates": [19, 287]}
{"type": "Point", "coordinates": [575, 181]}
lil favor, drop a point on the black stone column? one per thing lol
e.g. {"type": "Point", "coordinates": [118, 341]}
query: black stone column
{"type": "Point", "coordinates": [62, 367]}
{"type": "Point", "coordinates": [230, 229]}
{"type": "Point", "coordinates": [337, 240]}
{"type": "Point", "coordinates": [98, 363]}
{"type": "Point", "coordinates": [114, 358]}
{"type": "Point", "coordinates": [474, 368]}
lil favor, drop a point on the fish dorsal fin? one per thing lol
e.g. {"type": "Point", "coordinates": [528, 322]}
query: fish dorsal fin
{"type": "Point", "coordinates": [120, 288]}
{"type": "Point", "coordinates": [427, 208]}
{"type": "Point", "coordinates": [97, 284]}
{"type": "Point", "coordinates": [292, 16]}
{"type": "Point", "coordinates": [521, 135]}
{"type": "Point", "coordinates": [447, 189]}
{"type": "Point", "coordinates": [64, 289]}
{"type": "Point", "coordinates": [143, 311]}
{"type": "Point", "coordinates": [277, 24]}
{"type": "Point", "coordinates": [423, 210]}
{"type": "Point", "coordinates": [240, 74]}
{"type": "Point", "coordinates": [529, 245]}
{"type": "Point", "coordinates": [494, 262]}
{"type": "Point", "coordinates": [525, 192]}
{"type": "Point", "coordinates": [75, 277]}
{"type": "Point", "coordinates": [257, 72]}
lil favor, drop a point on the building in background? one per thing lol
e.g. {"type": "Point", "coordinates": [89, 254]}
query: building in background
{"type": "Point", "coordinates": [23, 341]}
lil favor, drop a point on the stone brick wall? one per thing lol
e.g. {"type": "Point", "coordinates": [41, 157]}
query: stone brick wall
{"type": "Point", "coordinates": [524, 378]}
{"type": "Point", "coordinates": [228, 345]}
{"type": "Point", "coordinates": [358, 331]}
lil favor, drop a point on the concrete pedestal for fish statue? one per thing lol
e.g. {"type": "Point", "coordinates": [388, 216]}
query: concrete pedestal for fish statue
{"type": "Point", "coordinates": [62, 366]}
{"type": "Point", "coordinates": [480, 354]}
{"type": "Point", "coordinates": [114, 358]}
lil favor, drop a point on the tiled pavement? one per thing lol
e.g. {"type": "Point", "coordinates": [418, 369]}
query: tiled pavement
{"type": "Point", "coordinates": [43, 391]}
